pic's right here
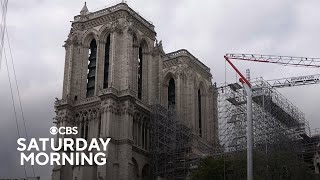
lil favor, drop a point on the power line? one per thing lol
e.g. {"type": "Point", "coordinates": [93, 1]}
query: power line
{"type": "Point", "coordinates": [4, 5]}
{"type": "Point", "coordinates": [13, 103]}
{"type": "Point", "coordinates": [18, 92]}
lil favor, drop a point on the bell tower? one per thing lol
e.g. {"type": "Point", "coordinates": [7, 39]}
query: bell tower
{"type": "Point", "coordinates": [120, 84]}
{"type": "Point", "coordinates": [112, 68]}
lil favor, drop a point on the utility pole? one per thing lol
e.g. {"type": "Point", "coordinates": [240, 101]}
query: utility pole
{"type": "Point", "coordinates": [250, 127]}
{"type": "Point", "coordinates": [247, 86]}
{"type": "Point", "coordinates": [249, 132]}
{"type": "Point", "coordinates": [285, 82]}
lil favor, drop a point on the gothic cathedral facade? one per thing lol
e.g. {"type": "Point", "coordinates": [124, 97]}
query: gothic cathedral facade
{"type": "Point", "coordinates": [115, 69]}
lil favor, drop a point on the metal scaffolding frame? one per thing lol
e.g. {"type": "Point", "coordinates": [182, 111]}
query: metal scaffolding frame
{"type": "Point", "coordinates": [275, 119]}
{"type": "Point", "coordinates": [278, 126]}
{"type": "Point", "coordinates": [171, 144]}
{"type": "Point", "coordinates": [309, 147]}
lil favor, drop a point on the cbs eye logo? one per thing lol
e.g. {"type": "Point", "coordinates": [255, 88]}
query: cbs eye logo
{"type": "Point", "coordinates": [63, 130]}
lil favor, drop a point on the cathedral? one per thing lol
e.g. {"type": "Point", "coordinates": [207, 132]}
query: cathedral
{"type": "Point", "coordinates": [115, 71]}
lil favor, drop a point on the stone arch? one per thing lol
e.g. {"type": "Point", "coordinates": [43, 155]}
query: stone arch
{"type": "Point", "coordinates": [88, 36]}
{"type": "Point", "coordinates": [144, 44]}
{"type": "Point", "coordinates": [104, 32]}
{"type": "Point", "coordinates": [202, 87]}
{"type": "Point", "coordinates": [165, 85]}
{"type": "Point", "coordinates": [135, 37]}
{"type": "Point", "coordinates": [135, 170]}
{"type": "Point", "coordinates": [146, 172]}
{"type": "Point", "coordinates": [167, 77]}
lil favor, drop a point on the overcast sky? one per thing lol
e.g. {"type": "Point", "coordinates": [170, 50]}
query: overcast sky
{"type": "Point", "coordinates": [207, 28]}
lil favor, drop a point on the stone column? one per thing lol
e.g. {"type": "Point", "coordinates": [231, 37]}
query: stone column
{"type": "Point", "coordinates": [148, 137]}
{"type": "Point", "coordinates": [81, 124]}
{"type": "Point", "coordinates": [139, 133]}
{"type": "Point", "coordinates": [136, 131]}
{"type": "Point", "coordinates": [145, 86]}
{"type": "Point", "coordinates": [154, 80]}
{"type": "Point", "coordinates": [135, 68]}
{"type": "Point", "coordinates": [85, 127]}
{"type": "Point", "coordinates": [84, 51]}
{"type": "Point", "coordinates": [178, 95]}
{"type": "Point", "coordinates": [100, 65]}
{"type": "Point", "coordinates": [108, 122]}
{"type": "Point", "coordinates": [130, 52]}
{"type": "Point", "coordinates": [67, 71]}
{"type": "Point", "coordinates": [98, 123]}
{"type": "Point", "coordinates": [103, 122]}
{"type": "Point", "coordinates": [144, 135]}
{"type": "Point", "coordinates": [113, 78]}
{"type": "Point", "coordinates": [133, 129]}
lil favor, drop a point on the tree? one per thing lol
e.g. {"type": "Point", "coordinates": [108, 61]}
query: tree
{"type": "Point", "coordinates": [282, 165]}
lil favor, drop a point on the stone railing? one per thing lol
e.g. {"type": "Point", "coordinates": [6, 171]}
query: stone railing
{"type": "Point", "coordinates": [184, 52]}
{"type": "Point", "coordinates": [170, 63]}
{"type": "Point", "coordinates": [109, 90]}
{"type": "Point", "coordinates": [142, 104]}
{"type": "Point", "coordinates": [121, 6]}
{"type": "Point", "coordinates": [128, 92]}
{"type": "Point", "coordinates": [60, 102]}
{"type": "Point", "coordinates": [86, 101]}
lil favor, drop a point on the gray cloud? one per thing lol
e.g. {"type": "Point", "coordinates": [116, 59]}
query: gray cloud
{"type": "Point", "coordinates": [207, 28]}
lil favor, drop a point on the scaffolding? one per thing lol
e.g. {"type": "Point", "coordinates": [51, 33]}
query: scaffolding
{"type": "Point", "coordinates": [275, 119]}
{"type": "Point", "coordinates": [310, 147]}
{"type": "Point", "coordinates": [171, 144]}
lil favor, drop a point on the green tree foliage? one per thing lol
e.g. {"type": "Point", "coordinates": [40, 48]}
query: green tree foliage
{"type": "Point", "coordinates": [280, 165]}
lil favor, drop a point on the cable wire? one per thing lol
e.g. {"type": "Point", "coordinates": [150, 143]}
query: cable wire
{"type": "Point", "coordinates": [18, 92]}
{"type": "Point", "coordinates": [13, 103]}
{"type": "Point", "coordinates": [4, 5]}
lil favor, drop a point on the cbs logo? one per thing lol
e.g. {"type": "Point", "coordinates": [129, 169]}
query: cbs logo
{"type": "Point", "coordinates": [63, 130]}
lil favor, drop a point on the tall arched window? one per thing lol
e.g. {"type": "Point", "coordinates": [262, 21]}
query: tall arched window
{"type": "Point", "coordinates": [171, 93]}
{"type": "Point", "coordinates": [199, 112]}
{"type": "Point", "coordinates": [140, 61]}
{"type": "Point", "coordinates": [106, 63]}
{"type": "Point", "coordinates": [91, 76]}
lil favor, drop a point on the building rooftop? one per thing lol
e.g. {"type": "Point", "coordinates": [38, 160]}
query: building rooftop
{"type": "Point", "coordinates": [186, 53]}
{"type": "Point", "coordinates": [109, 10]}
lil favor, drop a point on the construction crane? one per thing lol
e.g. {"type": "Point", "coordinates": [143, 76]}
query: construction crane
{"type": "Point", "coordinates": [286, 82]}
{"type": "Point", "coordinates": [284, 60]}
{"type": "Point", "coordinates": [295, 81]}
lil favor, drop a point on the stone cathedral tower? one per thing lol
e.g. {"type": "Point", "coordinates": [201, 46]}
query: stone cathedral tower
{"type": "Point", "coordinates": [115, 69]}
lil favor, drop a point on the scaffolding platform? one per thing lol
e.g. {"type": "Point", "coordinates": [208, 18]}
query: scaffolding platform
{"type": "Point", "coordinates": [276, 111]}
{"type": "Point", "coordinates": [275, 119]}
{"type": "Point", "coordinates": [171, 144]}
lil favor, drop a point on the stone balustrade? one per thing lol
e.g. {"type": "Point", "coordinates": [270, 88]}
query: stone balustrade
{"type": "Point", "coordinates": [184, 52]}
{"type": "Point", "coordinates": [121, 6]}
